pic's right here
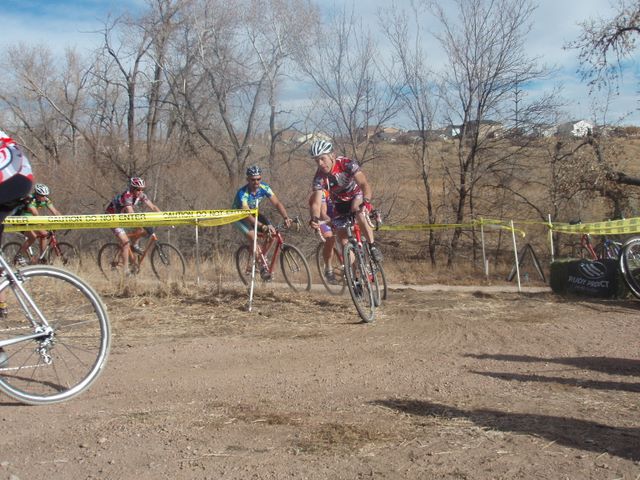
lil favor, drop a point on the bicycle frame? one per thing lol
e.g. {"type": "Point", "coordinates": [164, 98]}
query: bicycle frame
{"type": "Point", "coordinates": [52, 244]}
{"type": "Point", "coordinates": [27, 304]}
{"type": "Point", "coordinates": [585, 242]}
{"type": "Point", "coordinates": [137, 259]}
{"type": "Point", "coordinates": [267, 243]}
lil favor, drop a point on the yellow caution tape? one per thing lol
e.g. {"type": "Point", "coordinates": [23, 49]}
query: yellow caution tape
{"type": "Point", "coordinates": [611, 227]}
{"type": "Point", "coordinates": [205, 218]}
{"type": "Point", "coordinates": [446, 226]}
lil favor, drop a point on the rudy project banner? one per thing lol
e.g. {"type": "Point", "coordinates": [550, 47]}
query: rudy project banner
{"type": "Point", "coordinates": [203, 218]}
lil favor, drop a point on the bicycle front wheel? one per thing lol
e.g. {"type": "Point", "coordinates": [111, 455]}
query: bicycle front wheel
{"type": "Point", "coordinates": [168, 263]}
{"type": "Point", "coordinates": [378, 278]}
{"type": "Point", "coordinates": [336, 285]}
{"type": "Point", "coordinates": [295, 268]}
{"type": "Point", "coordinates": [66, 256]}
{"type": "Point", "coordinates": [110, 261]}
{"type": "Point", "coordinates": [358, 282]}
{"type": "Point", "coordinates": [59, 333]}
{"type": "Point", "coordinates": [630, 265]}
{"type": "Point", "coordinates": [10, 252]}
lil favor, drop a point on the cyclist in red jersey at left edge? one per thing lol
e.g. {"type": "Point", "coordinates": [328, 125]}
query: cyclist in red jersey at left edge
{"type": "Point", "coordinates": [16, 179]}
{"type": "Point", "coordinates": [349, 192]}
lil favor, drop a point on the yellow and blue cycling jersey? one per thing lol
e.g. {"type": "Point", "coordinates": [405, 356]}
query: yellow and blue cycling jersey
{"type": "Point", "coordinates": [245, 199]}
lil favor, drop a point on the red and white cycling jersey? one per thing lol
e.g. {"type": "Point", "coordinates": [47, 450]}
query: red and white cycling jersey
{"type": "Point", "coordinates": [339, 181]}
{"type": "Point", "coordinates": [125, 199]}
{"type": "Point", "coordinates": [12, 160]}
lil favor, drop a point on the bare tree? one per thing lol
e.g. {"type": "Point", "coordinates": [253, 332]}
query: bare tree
{"type": "Point", "coordinates": [340, 59]}
{"type": "Point", "coordinates": [274, 29]}
{"type": "Point", "coordinates": [605, 42]}
{"type": "Point", "coordinates": [417, 95]}
{"type": "Point", "coordinates": [127, 54]}
{"type": "Point", "coordinates": [486, 59]}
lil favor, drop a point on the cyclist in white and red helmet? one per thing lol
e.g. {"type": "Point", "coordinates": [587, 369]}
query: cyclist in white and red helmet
{"type": "Point", "coordinates": [126, 202]}
{"type": "Point", "coordinates": [349, 192]}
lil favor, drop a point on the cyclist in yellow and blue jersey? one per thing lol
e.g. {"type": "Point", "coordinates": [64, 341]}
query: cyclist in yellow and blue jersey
{"type": "Point", "coordinates": [249, 197]}
{"type": "Point", "coordinates": [32, 205]}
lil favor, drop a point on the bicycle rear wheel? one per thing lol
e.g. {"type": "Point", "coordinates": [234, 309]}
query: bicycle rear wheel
{"type": "Point", "coordinates": [10, 251]}
{"type": "Point", "coordinates": [630, 265]}
{"type": "Point", "coordinates": [68, 256]}
{"type": "Point", "coordinates": [69, 354]}
{"type": "Point", "coordinates": [335, 266]}
{"type": "Point", "coordinates": [167, 263]}
{"type": "Point", "coordinates": [110, 261]}
{"type": "Point", "coordinates": [295, 268]}
{"type": "Point", "coordinates": [358, 282]}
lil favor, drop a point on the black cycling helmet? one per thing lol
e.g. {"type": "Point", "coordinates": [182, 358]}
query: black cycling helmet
{"type": "Point", "coordinates": [254, 171]}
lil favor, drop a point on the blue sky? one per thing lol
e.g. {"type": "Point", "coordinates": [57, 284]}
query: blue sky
{"type": "Point", "coordinates": [62, 23]}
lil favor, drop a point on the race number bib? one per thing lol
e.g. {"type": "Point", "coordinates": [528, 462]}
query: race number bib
{"type": "Point", "coordinates": [6, 156]}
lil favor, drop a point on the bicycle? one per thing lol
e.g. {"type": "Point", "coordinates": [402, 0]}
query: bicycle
{"type": "Point", "coordinates": [337, 266]}
{"type": "Point", "coordinates": [55, 253]}
{"type": "Point", "coordinates": [629, 263]}
{"type": "Point", "coordinates": [167, 262]}
{"type": "Point", "coordinates": [608, 249]}
{"type": "Point", "coordinates": [363, 275]}
{"type": "Point", "coordinates": [293, 264]}
{"type": "Point", "coordinates": [55, 337]}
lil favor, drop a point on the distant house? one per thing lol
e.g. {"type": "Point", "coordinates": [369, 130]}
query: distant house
{"type": "Point", "coordinates": [453, 131]}
{"type": "Point", "coordinates": [577, 128]}
{"type": "Point", "coordinates": [289, 136]}
{"type": "Point", "coordinates": [312, 137]}
{"type": "Point", "coordinates": [485, 128]}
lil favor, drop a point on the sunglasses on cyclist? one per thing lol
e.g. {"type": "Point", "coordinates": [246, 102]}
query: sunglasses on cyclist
{"type": "Point", "coordinates": [259, 179]}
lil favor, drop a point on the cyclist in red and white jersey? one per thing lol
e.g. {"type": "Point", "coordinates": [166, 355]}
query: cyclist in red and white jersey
{"type": "Point", "coordinates": [125, 202]}
{"type": "Point", "coordinates": [16, 180]}
{"type": "Point", "coordinates": [349, 192]}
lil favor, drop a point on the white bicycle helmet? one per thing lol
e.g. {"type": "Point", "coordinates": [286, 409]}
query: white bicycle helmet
{"type": "Point", "coordinates": [320, 147]}
{"type": "Point", "coordinates": [41, 189]}
{"type": "Point", "coordinates": [136, 182]}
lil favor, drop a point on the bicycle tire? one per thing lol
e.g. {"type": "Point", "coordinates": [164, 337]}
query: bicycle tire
{"type": "Point", "coordinates": [336, 267]}
{"type": "Point", "coordinates": [110, 261]}
{"type": "Point", "coordinates": [629, 262]}
{"type": "Point", "coordinates": [244, 263]}
{"type": "Point", "coordinates": [58, 366]}
{"type": "Point", "coordinates": [358, 282]}
{"type": "Point", "coordinates": [379, 277]}
{"type": "Point", "coordinates": [69, 256]}
{"type": "Point", "coordinates": [167, 262]}
{"type": "Point", "coordinates": [10, 251]}
{"type": "Point", "coordinates": [295, 268]}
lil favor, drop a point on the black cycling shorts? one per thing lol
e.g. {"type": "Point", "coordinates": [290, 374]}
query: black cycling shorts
{"type": "Point", "coordinates": [11, 192]}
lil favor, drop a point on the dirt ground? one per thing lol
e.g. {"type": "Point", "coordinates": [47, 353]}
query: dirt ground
{"type": "Point", "coordinates": [444, 384]}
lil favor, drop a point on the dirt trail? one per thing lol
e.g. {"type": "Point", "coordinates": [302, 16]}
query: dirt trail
{"type": "Point", "coordinates": [444, 384]}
